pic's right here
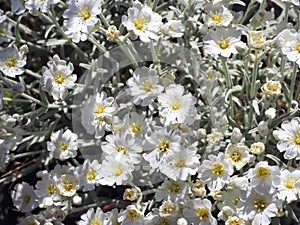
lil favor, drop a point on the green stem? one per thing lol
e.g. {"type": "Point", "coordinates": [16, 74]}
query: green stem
{"type": "Point", "coordinates": [293, 81]}
{"type": "Point", "coordinates": [229, 85]}
{"type": "Point", "coordinates": [253, 89]}
{"type": "Point", "coordinates": [99, 46]}
{"type": "Point", "coordinates": [27, 154]}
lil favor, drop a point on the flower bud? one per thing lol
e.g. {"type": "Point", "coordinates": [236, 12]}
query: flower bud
{"type": "Point", "coordinates": [257, 148]}
{"type": "Point", "coordinates": [236, 135]}
{"type": "Point", "coordinates": [263, 128]}
{"type": "Point", "coordinates": [130, 194]}
{"type": "Point", "coordinates": [182, 221]}
{"type": "Point", "coordinates": [270, 113]}
{"type": "Point", "coordinates": [256, 39]}
{"type": "Point", "coordinates": [77, 200]}
{"type": "Point", "coordinates": [216, 194]}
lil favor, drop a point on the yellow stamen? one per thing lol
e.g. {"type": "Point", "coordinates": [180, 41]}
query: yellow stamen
{"type": "Point", "coordinates": [263, 173]}
{"type": "Point", "coordinates": [51, 189]}
{"type": "Point", "coordinates": [217, 169]}
{"type": "Point", "coordinates": [11, 63]}
{"type": "Point", "coordinates": [84, 13]}
{"type": "Point", "coordinates": [202, 213]}
{"type": "Point", "coordinates": [59, 79]}
{"type": "Point", "coordinates": [140, 24]}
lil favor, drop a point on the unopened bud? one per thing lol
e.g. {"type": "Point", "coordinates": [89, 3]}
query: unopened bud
{"type": "Point", "coordinates": [236, 135]}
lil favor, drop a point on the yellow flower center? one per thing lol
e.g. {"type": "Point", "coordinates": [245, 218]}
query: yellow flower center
{"type": "Point", "coordinates": [140, 24]}
{"type": "Point", "coordinates": [163, 146]}
{"type": "Point", "coordinates": [224, 42]}
{"type": "Point", "coordinates": [51, 189]}
{"type": "Point", "coordinates": [289, 184]}
{"type": "Point", "coordinates": [133, 215]}
{"type": "Point", "coordinates": [260, 204]}
{"type": "Point", "coordinates": [174, 188]}
{"type": "Point", "coordinates": [146, 86]}
{"type": "Point", "coordinates": [68, 185]}
{"type": "Point", "coordinates": [217, 169]}
{"type": "Point", "coordinates": [59, 79]}
{"type": "Point", "coordinates": [84, 13]}
{"type": "Point", "coordinates": [217, 18]}
{"type": "Point", "coordinates": [63, 146]}
{"type": "Point", "coordinates": [163, 222]}
{"type": "Point", "coordinates": [236, 156]}
{"type": "Point", "coordinates": [118, 171]}
{"type": "Point", "coordinates": [99, 110]}
{"type": "Point", "coordinates": [181, 163]}
{"type": "Point", "coordinates": [202, 213]}
{"type": "Point", "coordinates": [175, 106]}
{"type": "Point", "coordinates": [122, 148]}
{"type": "Point", "coordinates": [263, 173]}
{"type": "Point", "coordinates": [297, 47]}
{"type": "Point", "coordinates": [134, 127]}
{"type": "Point", "coordinates": [101, 119]}
{"type": "Point", "coordinates": [95, 222]}
{"type": "Point", "coordinates": [273, 87]}
{"type": "Point", "coordinates": [3, 30]}
{"type": "Point", "coordinates": [297, 138]}
{"type": "Point", "coordinates": [90, 174]}
{"type": "Point", "coordinates": [26, 198]}
{"type": "Point", "coordinates": [11, 63]}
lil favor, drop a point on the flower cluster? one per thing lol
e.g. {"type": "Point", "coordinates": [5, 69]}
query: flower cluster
{"type": "Point", "coordinates": [149, 112]}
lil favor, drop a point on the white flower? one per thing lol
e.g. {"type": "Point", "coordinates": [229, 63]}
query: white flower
{"type": "Point", "coordinates": [292, 49]}
{"type": "Point", "coordinates": [143, 86]}
{"type": "Point", "coordinates": [135, 123]}
{"type": "Point", "coordinates": [97, 113]}
{"type": "Point", "coordinates": [256, 39]}
{"type": "Point", "coordinates": [259, 208]}
{"type": "Point", "coordinates": [12, 61]}
{"type": "Point", "coordinates": [177, 107]}
{"type": "Point", "coordinates": [58, 78]}
{"type": "Point", "coordinates": [23, 197]}
{"type": "Point", "coordinates": [174, 191]}
{"type": "Point", "coordinates": [168, 209]}
{"type": "Point", "coordinates": [264, 178]}
{"type": "Point", "coordinates": [46, 190]}
{"type": "Point", "coordinates": [257, 148]}
{"type": "Point", "coordinates": [289, 138]}
{"type": "Point", "coordinates": [215, 171]}
{"type": "Point", "coordinates": [160, 145]}
{"type": "Point", "coordinates": [237, 155]}
{"type": "Point", "coordinates": [181, 164]}
{"type": "Point", "coordinates": [173, 28]}
{"type": "Point", "coordinates": [131, 216]}
{"type": "Point", "coordinates": [214, 137]}
{"type": "Point", "coordinates": [115, 170]}
{"type": "Point", "coordinates": [80, 18]}
{"type": "Point", "coordinates": [198, 212]}
{"type": "Point", "coordinates": [234, 220]}
{"type": "Point", "coordinates": [125, 143]}
{"type": "Point", "coordinates": [67, 185]}
{"type": "Point", "coordinates": [88, 175]}
{"type": "Point", "coordinates": [289, 188]}
{"type": "Point", "coordinates": [217, 15]}
{"type": "Point", "coordinates": [92, 217]}
{"type": "Point", "coordinates": [142, 21]}
{"type": "Point", "coordinates": [63, 145]}
{"type": "Point", "coordinates": [284, 37]}
{"type": "Point", "coordinates": [272, 88]}
{"type": "Point", "coordinates": [223, 41]}
{"type": "Point", "coordinates": [34, 6]}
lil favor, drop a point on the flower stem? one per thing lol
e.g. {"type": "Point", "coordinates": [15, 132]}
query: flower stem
{"type": "Point", "coordinates": [293, 81]}
{"type": "Point", "coordinates": [229, 85]}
